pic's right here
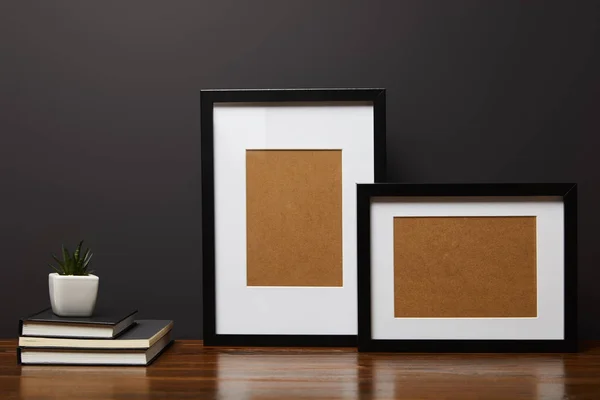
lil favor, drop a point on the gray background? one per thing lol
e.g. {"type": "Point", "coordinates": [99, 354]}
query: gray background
{"type": "Point", "coordinates": [99, 120]}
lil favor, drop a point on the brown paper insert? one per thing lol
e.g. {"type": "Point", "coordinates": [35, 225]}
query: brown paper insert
{"type": "Point", "coordinates": [294, 217]}
{"type": "Point", "coordinates": [465, 267]}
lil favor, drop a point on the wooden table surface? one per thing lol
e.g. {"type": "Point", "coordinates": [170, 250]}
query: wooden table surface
{"type": "Point", "coordinates": [190, 371]}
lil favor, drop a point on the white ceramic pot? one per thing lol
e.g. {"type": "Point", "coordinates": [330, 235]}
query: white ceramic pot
{"type": "Point", "coordinates": [73, 296]}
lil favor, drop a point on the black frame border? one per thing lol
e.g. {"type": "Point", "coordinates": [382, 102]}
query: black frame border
{"type": "Point", "coordinates": [365, 194]}
{"type": "Point", "coordinates": [207, 100]}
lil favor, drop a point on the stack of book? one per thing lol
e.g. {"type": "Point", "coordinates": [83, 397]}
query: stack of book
{"type": "Point", "coordinates": [106, 338]}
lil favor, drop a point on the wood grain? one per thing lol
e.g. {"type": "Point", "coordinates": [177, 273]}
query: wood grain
{"type": "Point", "coordinates": [190, 371]}
{"type": "Point", "coordinates": [294, 217]}
{"type": "Point", "coordinates": [465, 267]}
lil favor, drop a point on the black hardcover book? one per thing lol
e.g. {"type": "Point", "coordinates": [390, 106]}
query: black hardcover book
{"type": "Point", "coordinates": [103, 324]}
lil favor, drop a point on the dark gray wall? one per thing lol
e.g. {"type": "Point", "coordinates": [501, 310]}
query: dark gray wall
{"type": "Point", "coordinates": [100, 136]}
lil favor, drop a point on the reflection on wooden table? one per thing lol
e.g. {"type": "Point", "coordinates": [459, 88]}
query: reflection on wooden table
{"type": "Point", "coordinates": [190, 371]}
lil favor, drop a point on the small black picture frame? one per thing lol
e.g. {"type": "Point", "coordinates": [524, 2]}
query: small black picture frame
{"type": "Point", "coordinates": [272, 97]}
{"type": "Point", "coordinates": [369, 194]}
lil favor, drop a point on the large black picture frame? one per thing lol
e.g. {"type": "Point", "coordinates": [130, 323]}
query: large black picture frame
{"type": "Point", "coordinates": [367, 193]}
{"type": "Point", "coordinates": [208, 99]}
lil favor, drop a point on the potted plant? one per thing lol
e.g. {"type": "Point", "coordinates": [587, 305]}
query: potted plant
{"type": "Point", "coordinates": [73, 288]}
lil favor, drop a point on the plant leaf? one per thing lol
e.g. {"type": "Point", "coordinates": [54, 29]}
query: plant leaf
{"type": "Point", "coordinates": [54, 268]}
{"type": "Point", "coordinates": [66, 255]}
{"type": "Point", "coordinates": [87, 260]}
{"type": "Point", "coordinates": [57, 260]}
{"type": "Point", "coordinates": [82, 261]}
{"type": "Point", "coordinates": [77, 251]}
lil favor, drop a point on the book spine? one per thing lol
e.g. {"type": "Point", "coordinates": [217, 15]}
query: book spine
{"type": "Point", "coordinates": [167, 346]}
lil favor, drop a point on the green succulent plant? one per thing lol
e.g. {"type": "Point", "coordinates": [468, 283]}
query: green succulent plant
{"type": "Point", "coordinates": [75, 264]}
